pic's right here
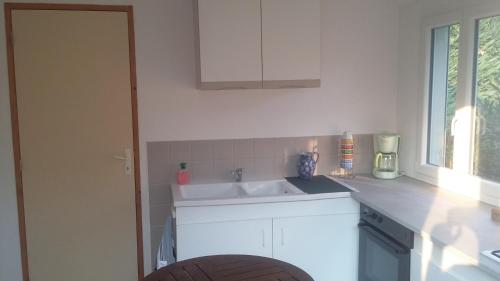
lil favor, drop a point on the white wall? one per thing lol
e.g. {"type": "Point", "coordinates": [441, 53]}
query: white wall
{"type": "Point", "coordinates": [359, 41]}
{"type": "Point", "coordinates": [359, 82]}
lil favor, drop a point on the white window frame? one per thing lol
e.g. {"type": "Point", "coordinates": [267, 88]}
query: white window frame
{"type": "Point", "coordinates": [460, 178]}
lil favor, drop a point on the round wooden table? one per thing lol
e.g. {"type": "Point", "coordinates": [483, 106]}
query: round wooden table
{"type": "Point", "coordinates": [229, 268]}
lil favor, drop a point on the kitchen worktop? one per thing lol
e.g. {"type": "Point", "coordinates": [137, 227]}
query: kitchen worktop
{"type": "Point", "coordinates": [448, 219]}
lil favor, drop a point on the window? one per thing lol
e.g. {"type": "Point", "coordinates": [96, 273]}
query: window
{"type": "Point", "coordinates": [443, 91]}
{"type": "Point", "coordinates": [462, 132]}
{"type": "Point", "coordinates": [486, 144]}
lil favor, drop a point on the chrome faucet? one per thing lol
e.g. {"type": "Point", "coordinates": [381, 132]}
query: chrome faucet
{"type": "Point", "coordinates": [238, 174]}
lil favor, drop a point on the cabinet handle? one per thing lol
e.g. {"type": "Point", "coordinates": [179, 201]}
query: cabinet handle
{"type": "Point", "coordinates": [292, 86]}
{"type": "Point", "coordinates": [282, 237]}
{"type": "Point", "coordinates": [263, 238]}
{"type": "Point", "coordinates": [233, 88]}
{"type": "Point", "coordinates": [172, 211]}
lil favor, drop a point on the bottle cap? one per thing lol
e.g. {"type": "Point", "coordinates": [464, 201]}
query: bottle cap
{"type": "Point", "coordinates": [183, 165]}
{"type": "Point", "coordinates": [347, 135]}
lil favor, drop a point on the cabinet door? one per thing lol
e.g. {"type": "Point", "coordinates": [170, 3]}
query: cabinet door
{"type": "Point", "coordinates": [291, 43]}
{"type": "Point", "coordinates": [424, 270]}
{"type": "Point", "coordinates": [230, 43]}
{"type": "Point", "coordinates": [252, 237]}
{"type": "Point", "coordinates": [326, 247]}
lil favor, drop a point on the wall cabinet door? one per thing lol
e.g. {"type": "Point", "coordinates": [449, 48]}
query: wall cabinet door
{"type": "Point", "coordinates": [291, 43]}
{"type": "Point", "coordinates": [253, 237]}
{"type": "Point", "coordinates": [230, 44]}
{"type": "Point", "coordinates": [326, 247]}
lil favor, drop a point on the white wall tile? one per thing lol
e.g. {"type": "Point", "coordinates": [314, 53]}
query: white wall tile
{"type": "Point", "coordinates": [223, 169]}
{"type": "Point", "coordinates": [264, 168]}
{"type": "Point", "coordinates": [158, 157]}
{"type": "Point", "coordinates": [202, 170]}
{"type": "Point", "coordinates": [264, 148]}
{"type": "Point", "coordinates": [285, 147]}
{"type": "Point", "coordinates": [202, 150]}
{"type": "Point", "coordinates": [291, 165]}
{"type": "Point", "coordinates": [179, 152]}
{"type": "Point", "coordinates": [305, 144]}
{"type": "Point", "coordinates": [223, 150]}
{"type": "Point", "coordinates": [327, 144]}
{"type": "Point", "coordinates": [243, 149]}
{"type": "Point", "coordinates": [327, 162]}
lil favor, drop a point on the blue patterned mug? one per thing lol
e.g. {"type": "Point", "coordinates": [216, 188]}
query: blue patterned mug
{"type": "Point", "coordinates": [307, 164]}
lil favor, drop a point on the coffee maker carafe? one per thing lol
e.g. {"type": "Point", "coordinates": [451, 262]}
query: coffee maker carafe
{"type": "Point", "coordinates": [386, 158]}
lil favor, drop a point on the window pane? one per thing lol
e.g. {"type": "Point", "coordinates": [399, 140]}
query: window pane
{"type": "Point", "coordinates": [487, 100]}
{"type": "Point", "coordinates": [443, 89]}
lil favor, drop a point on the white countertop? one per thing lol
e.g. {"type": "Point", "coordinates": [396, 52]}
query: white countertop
{"type": "Point", "coordinates": [449, 219]}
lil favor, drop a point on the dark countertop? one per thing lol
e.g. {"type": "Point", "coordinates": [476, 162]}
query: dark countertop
{"type": "Point", "coordinates": [317, 185]}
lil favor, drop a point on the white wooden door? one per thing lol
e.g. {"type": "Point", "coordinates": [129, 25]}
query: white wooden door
{"type": "Point", "coordinates": [230, 43]}
{"type": "Point", "coordinates": [73, 89]}
{"type": "Point", "coordinates": [291, 43]}
{"type": "Point", "coordinates": [252, 237]}
{"type": "Point", "coordinates": [326, 247]}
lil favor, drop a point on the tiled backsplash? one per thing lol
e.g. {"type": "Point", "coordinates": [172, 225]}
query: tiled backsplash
{"type": "Point", "coordinates": [261, 159]}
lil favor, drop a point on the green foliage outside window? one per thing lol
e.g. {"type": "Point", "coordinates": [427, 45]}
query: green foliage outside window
{"type": "Point", "coordinates": [452, 91]}
{"type": "Point", "coordinates": [487, 141]}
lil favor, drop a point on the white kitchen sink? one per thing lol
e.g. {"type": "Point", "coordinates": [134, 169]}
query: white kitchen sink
{"type": "Point", "coordinates": [226, 193]}
{"type": "Point", "coordinates": [270, 188]}
{"type": "Point", "coordinates": [237, 190]}
{"type": "Point", "coordinates": [211, 191]}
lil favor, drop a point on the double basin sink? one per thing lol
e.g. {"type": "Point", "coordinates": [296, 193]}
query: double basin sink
{"type": "Point", "coordinates": [235, 190]}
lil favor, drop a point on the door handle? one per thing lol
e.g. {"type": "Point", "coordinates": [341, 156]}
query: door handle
{"type": "Point", "coordinates": [454, 122]}
{"type": "Point", "coordinates": [127, 158]}
{"type": "Point", "coordinates": [481, 123]}
{"type": "Point", "coordinates": [263, 238]}
{"type": "Point", "coordinates": [282, 237]}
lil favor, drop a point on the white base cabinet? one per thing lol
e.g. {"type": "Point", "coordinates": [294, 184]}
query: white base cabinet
{"type": "Point", "coordinates": [318, 236]}
{"type": "Point", "coordinates": [253, 237]}
{"type": "Point", "coordinates": [428, 271]}
{"type": "Point", "coordinates": [323, 246]}
{"type": "Point", "coordinates": [432, 262]}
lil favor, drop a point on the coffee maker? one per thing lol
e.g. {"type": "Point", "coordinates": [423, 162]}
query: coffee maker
{"type": "Point", "coordinates": [386, 158]}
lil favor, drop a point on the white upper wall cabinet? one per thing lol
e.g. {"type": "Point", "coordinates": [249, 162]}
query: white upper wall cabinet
{"type": "Point", "coordinates": [259, 43]}
{"type": "Point", "coordinates": [230, 44]}
{"type": "Point", "coordinates": [291, 31]}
